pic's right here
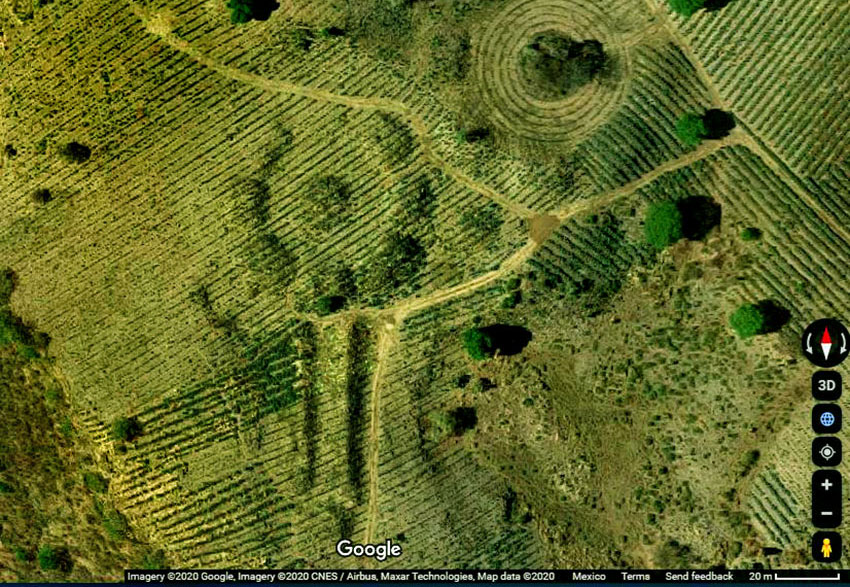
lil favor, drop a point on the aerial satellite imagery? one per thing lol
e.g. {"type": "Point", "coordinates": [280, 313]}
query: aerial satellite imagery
{"type": "Point", "coordinates": [507, 284]}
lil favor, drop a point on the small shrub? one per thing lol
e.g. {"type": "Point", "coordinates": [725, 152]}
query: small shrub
{"type": "Point", "coordinates": [75, 152]}
{"type": "Point", "coordinates": [21, 555]}
{"type": "Point", "coordinates": [663, 225]}
{"type": "Point", "coordinates": [126, 429]}
{"type": "Point", "coordinates": [5, 488]}
{"type": "Point", "coordinates": [7, 285]}
{"type": "Point", "coordinates": [750, 233]}
{"type": "Point", "coordinates": [301, 39]}
{"type": "Point", "coordinates": [48, 558]}
{"type": "Point", "coordinates": [329, 304]}
{"type": "Point", "coordinates": [153, 561]}
{"type": "Point", "coordinates": [95, 482]}
{"type": "Point", "coordinates": [41, 196]}
{"type": "Point", "coordinates": [10, 151]}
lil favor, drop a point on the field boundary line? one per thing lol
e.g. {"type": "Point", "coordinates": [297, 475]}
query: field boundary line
{"type": "Point", "coordinates": [384, 343]}
{"type": "Point", "coordinates": [414, 120]}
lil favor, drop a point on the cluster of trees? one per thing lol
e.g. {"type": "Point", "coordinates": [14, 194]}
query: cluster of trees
{"type": "Point", "coordinates": [456, 422]}
{"type": "Point", "coordinates": [713, 124]}
{"type": "Point", "coordinates": [126, 429]}
{"type": "Point", "coordinates": [75, 152]}
{"type": "Point", "coordinates": [555, 65]}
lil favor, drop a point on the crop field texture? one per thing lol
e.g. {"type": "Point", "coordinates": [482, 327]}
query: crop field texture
{"type": "Point", "coordinates": [284, 230]}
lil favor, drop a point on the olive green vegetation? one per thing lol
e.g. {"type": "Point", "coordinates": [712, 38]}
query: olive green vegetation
{"type": "Point", "coordinates": [750, 233]}
{"type": "Point", "coordinates": [12, 328]}
{"type": "Point", "coordinates": [686, 7]}
{"type": "Point", "coordinates": [478, 344]}
{"type": "Point", "coordinates": [444, 424]}
{"type": "Point", "coordinates": [663, 225]}
{"type": "Point", "coordinates": [41, 196]}
{"type": "Point", "coordinates": [95, 482]}
{"type": "Point", "coordinates": [691, 130]}
{"type": "Point", "coordinates": [482, 222]}
{"type": "Point", "coordinates": [394, 269]}
{"type": "Point", "coordinates": [555, 66]}
{"type": "Point", "coordinates": [126, 429]}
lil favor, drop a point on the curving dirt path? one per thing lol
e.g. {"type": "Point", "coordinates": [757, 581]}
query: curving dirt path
{"type": "Point", "coordinates": [157, 26]}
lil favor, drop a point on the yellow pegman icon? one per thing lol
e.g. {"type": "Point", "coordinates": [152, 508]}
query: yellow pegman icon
{"type": "Point", "coordinates": [826, 549]}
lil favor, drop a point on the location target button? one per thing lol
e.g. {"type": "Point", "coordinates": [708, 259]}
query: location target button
{"type": "Point", "coordinates": [826, 451]}
{"type": "Point", "coordinates": [826, 343]}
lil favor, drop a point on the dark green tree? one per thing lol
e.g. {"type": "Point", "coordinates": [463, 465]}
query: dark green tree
{"type": "Point", "coordinates": [686, 7]}
{"type": "Point", "coordinates": [663, 224]}
{"type": "Point", "coordinates": [242, 11]}
{"type": "Point", "coordinates": [41, 196]}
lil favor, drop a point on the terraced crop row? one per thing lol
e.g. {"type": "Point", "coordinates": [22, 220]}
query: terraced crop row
{"type": "Point", "coordinates": [775, 510]}
{"type": "Point", "coordinates": [793, 103]}
{"type": "Point", "coordinates": [640, 136]}
{"type": "Point", "coordinates": [219, 471]}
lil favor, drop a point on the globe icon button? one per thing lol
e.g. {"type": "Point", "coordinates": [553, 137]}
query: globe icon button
{"type": "Point", "coordinates": [826, 418]}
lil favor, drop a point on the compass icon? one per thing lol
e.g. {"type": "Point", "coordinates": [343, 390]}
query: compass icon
{"type": "Point", "coordinates": [826, 343]}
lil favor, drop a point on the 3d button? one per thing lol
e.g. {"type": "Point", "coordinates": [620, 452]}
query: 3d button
{"type": "Point", "coordinates": [826, 418]}
{"type": "Point", "coordinates": [826, 451]}
{"type": "Point", "coordinates": [826, 498]}
{"type": "Point", "coordinates": [826, 547]}
{"type": "Point", "coordinates": [826, 386]}
{"type": "Point", "coordinates": [826, 342]}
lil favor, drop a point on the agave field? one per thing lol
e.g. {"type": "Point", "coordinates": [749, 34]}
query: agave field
{"type": "Point", "coordinates": [282, 230]}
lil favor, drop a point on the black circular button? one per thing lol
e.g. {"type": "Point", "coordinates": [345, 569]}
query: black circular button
{"type": "Point", "coordinates": [826, 342]}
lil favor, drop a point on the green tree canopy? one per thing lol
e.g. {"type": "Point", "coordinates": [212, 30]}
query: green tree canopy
{"type": "Point", "coordinates": [478, 344]}
{"type": "Point", "coordinates": [663, 225]}
{"type": "Point", "coordinates": [759, 318]}
{"type": "Point", "coordinates": [691, 129]}
{"type": "Point", "coordinates": [686, 7]}
{"type": "Point", "coordinates": [748, 320]}
{"type": "Point", "coordinates": [48, 559]}
{"type": "Point", "coordinates": [242, 11]}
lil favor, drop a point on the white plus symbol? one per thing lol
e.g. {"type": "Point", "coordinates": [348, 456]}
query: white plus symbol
{"type": "Point", "coordinates": [826, 484]}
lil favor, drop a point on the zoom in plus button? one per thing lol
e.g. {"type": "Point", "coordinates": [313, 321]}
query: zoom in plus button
{"type": "Point", "coordinates": [826, 451]}
{"type": "Point", "coordinates": [826, 418]}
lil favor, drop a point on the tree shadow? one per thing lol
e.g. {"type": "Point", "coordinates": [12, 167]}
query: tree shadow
{"type": "Point", "coordinates": [464, 419]}
{"type": "Point", "coordinates": [775, 316]}
{"type": "Point", "coordinates": [713, 5]}
{"type": "Point", "coordinates": [699, 215]}
{"type": "Point", "coordinates": [718, 123]}
{"type": "Point", "coordinates": [508, 340]}
{"type": "Point", "coordinates": [262, 9]}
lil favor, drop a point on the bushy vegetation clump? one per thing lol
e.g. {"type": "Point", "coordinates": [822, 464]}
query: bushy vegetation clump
{"type": "Point", "coordinates": [663, 225]}
{"type": "Point", "coordinates": [75, 152]}
{"type": "Point", "coordinates": [242, 11]}
{"type": "Point", "coordinates": [41, 196]}
{"type": "Point", "coordinates": [126, 429]}
{"type": "Point", "coordinates": [396, 266]}
{"type": "Point", "coordinates": [555, 65]}
{"type": "Point", "coordinates": [750, 233]}
{"type": "Point", "coordinates": [48, 558]}
{"type": "Point", "coordinates": [686, 7]}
